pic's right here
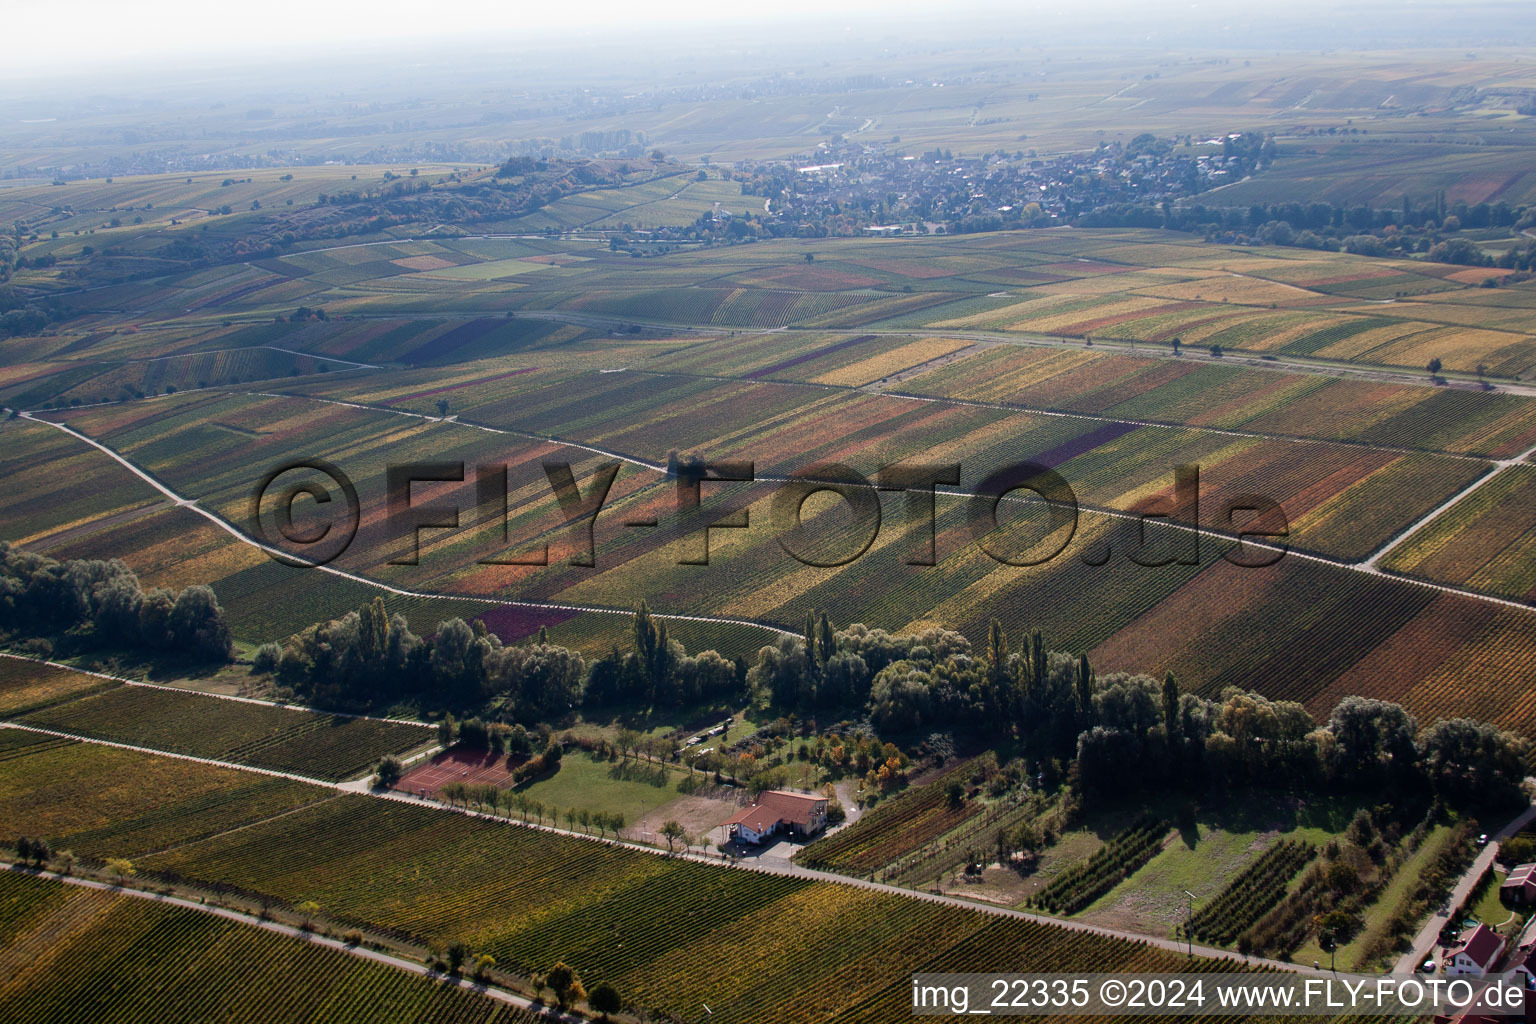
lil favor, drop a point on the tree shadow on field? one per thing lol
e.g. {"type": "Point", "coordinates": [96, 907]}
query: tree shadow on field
{"type": "Point", "coordinates": [631, 771]}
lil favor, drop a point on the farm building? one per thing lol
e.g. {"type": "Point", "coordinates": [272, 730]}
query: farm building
{"type": "Point", "coordinates": [1519, 889]}
{"type": "Point", "coordinates": [1475, 952]}
{"type": "Point", "coordinates": [777, 811]}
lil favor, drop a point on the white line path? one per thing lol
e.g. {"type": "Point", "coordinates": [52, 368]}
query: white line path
{"type": "Point", "coordinates": [1288, 552]}
{"type": "Point", "coordinates": [233, 531]}
{"type": "Point", "coordinates": [788, 868]}
{"type": "Point", "coordinates": [281, 705]}
{"type": "Point", "coordinates": [1455, 499]}
{"type": "Point", "coordinates": [489, 991]}
{"type": "Point", "coordinates": [82, 738]}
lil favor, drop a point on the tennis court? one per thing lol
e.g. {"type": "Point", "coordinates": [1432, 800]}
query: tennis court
{"type": "Point", "coordinates": [469, 766]}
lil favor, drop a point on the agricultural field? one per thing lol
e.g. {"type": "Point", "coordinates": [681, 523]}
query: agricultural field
{"type": "Point", "coordinates": [1251, 893]}
{"type": "Point", "coordinates": [434, 876]}
{"type": "Point", "coordinates": [906, 823]}
{"type": "Point", "coordinates": [104, 802]}
{"type": "Point", "coordinates": [621, 350]}
{"type": "Point", "coordinates": [65, 945]}
{"type": "Point", "coordinates": [1485, 542]}
{"type": "Point", "coordinates": [289, 740]}
{"type": "Point", "coordinates": [1123, 855]}
{"type": "Point", "coordinates": [1239, 861]}
{"type": "Point", "coordinates": [675, 199]}
{"type": "Point", "coordinates": [1119, 611]}
{"type": "Point", "coordinates": [1209, 394]}
{"type": "Point", "coordinates": [1117, 287]}
{"type": "Point", "coordinates": [27, 685]}
{"type": "Point", "coordinates": [142, 204]}
{"type": "Point", "coordinates": [628, 788]}
{"type": "Point", "coordinates": [72, 383]}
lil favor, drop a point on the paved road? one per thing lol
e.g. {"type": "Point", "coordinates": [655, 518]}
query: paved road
{"type": "Point", "coordinates": [1368, 567]}
{"type": "Point", "coordinates": [286, 706]}
{"type": "Point", "coordinates": [1424, 943]}
{"type": "Point", "coordinates": [489, 991]}
{"type": "Point", "coordinates": [61, 734]}
{"type": "Point", "coordinates": [233, 531]}
{"type": "Point", "coordinates": [1279, 364]}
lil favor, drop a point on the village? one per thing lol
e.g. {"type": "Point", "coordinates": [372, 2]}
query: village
{"type": "Point", "coordinates": [846, 186]}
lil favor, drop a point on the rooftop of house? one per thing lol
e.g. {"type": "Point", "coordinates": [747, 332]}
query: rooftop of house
{"type": "Point", "coordinates": [1521, 875]}
{"type": "Point", "coordinates": [777, 806]}
{"type": "Point", "coordinates": [1480, 945]}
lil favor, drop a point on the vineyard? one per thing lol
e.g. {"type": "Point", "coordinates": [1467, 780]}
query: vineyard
{"type": "Point", "coordinates": [323, 746]}
{"type": "Point", "coordinates": [1078, 885]}
{"type": "Point", "coordinates": [1251, 894]}
{"type": "Point", "coordinates": [1202, 393]}
{"type": "Point", "coordinates": [105, 802]}
{"type": "Point", "coordinates": [65, 948]}
{"type": "Point", "coordinates": [1486, 542]}
{"type": "Point", "coordinates": [891, 831]}
{"type": "Point", "coordinates": [530, 898]}
{"type": "Point", "coordinates": [1124, 616]}
{"type": "Point", "coordinates": [27, 685]}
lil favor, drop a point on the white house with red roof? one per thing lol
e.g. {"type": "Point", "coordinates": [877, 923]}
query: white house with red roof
{"type": "Point", "coordinates": [776, 811]}
{"type": "Point", "coordinates": [1475, 952]}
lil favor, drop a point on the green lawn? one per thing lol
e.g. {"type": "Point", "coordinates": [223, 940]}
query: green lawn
{"type": "Point", "coordinates": [1203, 860]}
{"type": "Point", "coordinates": [625, 788]}
{"type": "Point", "coordinates": [1488, 909]}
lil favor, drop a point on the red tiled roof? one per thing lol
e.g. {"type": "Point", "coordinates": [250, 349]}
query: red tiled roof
{"type": "Point", "coordinates": [1480, 944]}
{"type": "Point", "coordinates": [778, 806]}
{"type": "Point", "coordinates": [1520, 877]}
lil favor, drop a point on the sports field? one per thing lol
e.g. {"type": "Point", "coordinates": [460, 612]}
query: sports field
{"type": "Point", "coordinates": [460, 764]}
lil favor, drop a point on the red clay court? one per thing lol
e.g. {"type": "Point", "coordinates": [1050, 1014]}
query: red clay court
{"type": "Point", "coordinates": [472, 767]}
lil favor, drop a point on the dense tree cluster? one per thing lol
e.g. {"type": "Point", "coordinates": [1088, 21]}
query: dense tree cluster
{"type": "Point", "coordinates": [1123, 733]}
{"type": "Point", "coordinates": [92, 603]}
{"type": "Point", "coordinates": [1432, 228]}
{"type": "Point", "coordinates": [1113, 735]}
{"type": "Point", "coordinates": [369, 658]}
{"type": "Point", "coordinates": [18, 316]}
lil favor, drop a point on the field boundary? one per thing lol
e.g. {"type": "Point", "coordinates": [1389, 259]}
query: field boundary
{"type": "Point", "coordinates": [79, 738]}
{"type": "Point", "coordinates": [1287, 551]}
{"type": "Point", "coordinates": [238, 534]}
{"type": "Point", "coordinates": [281, 705]}
{"type": "Point", "coordinates": [489, 991]}
{"type": "Point", "coordinates": [786, 868]}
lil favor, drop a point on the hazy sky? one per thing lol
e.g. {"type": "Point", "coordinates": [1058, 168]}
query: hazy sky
{"type": "Point", "coordinates": [86, 34]}
{"type": "Point", "coordinates": [122, 31]}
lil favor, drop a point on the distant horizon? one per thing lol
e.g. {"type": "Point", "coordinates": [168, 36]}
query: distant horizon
{"type": "Point", "coordinates": [110, 38]}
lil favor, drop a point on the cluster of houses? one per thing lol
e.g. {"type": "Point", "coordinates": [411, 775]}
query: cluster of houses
{"type": "Point", "coordinates": [1480, 950]}
{"type": "Point", "coordinates": [890, 192]}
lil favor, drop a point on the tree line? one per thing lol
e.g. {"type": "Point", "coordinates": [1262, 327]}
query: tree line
{"type": "Point", "coordinates": [50, 606]}
{"type": "Point", "coordinates": [1108, 736]}
{"type": "Point", "coordinates": [370, 658]}
{"type": "Point", "coordinates": [1429, 228]}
